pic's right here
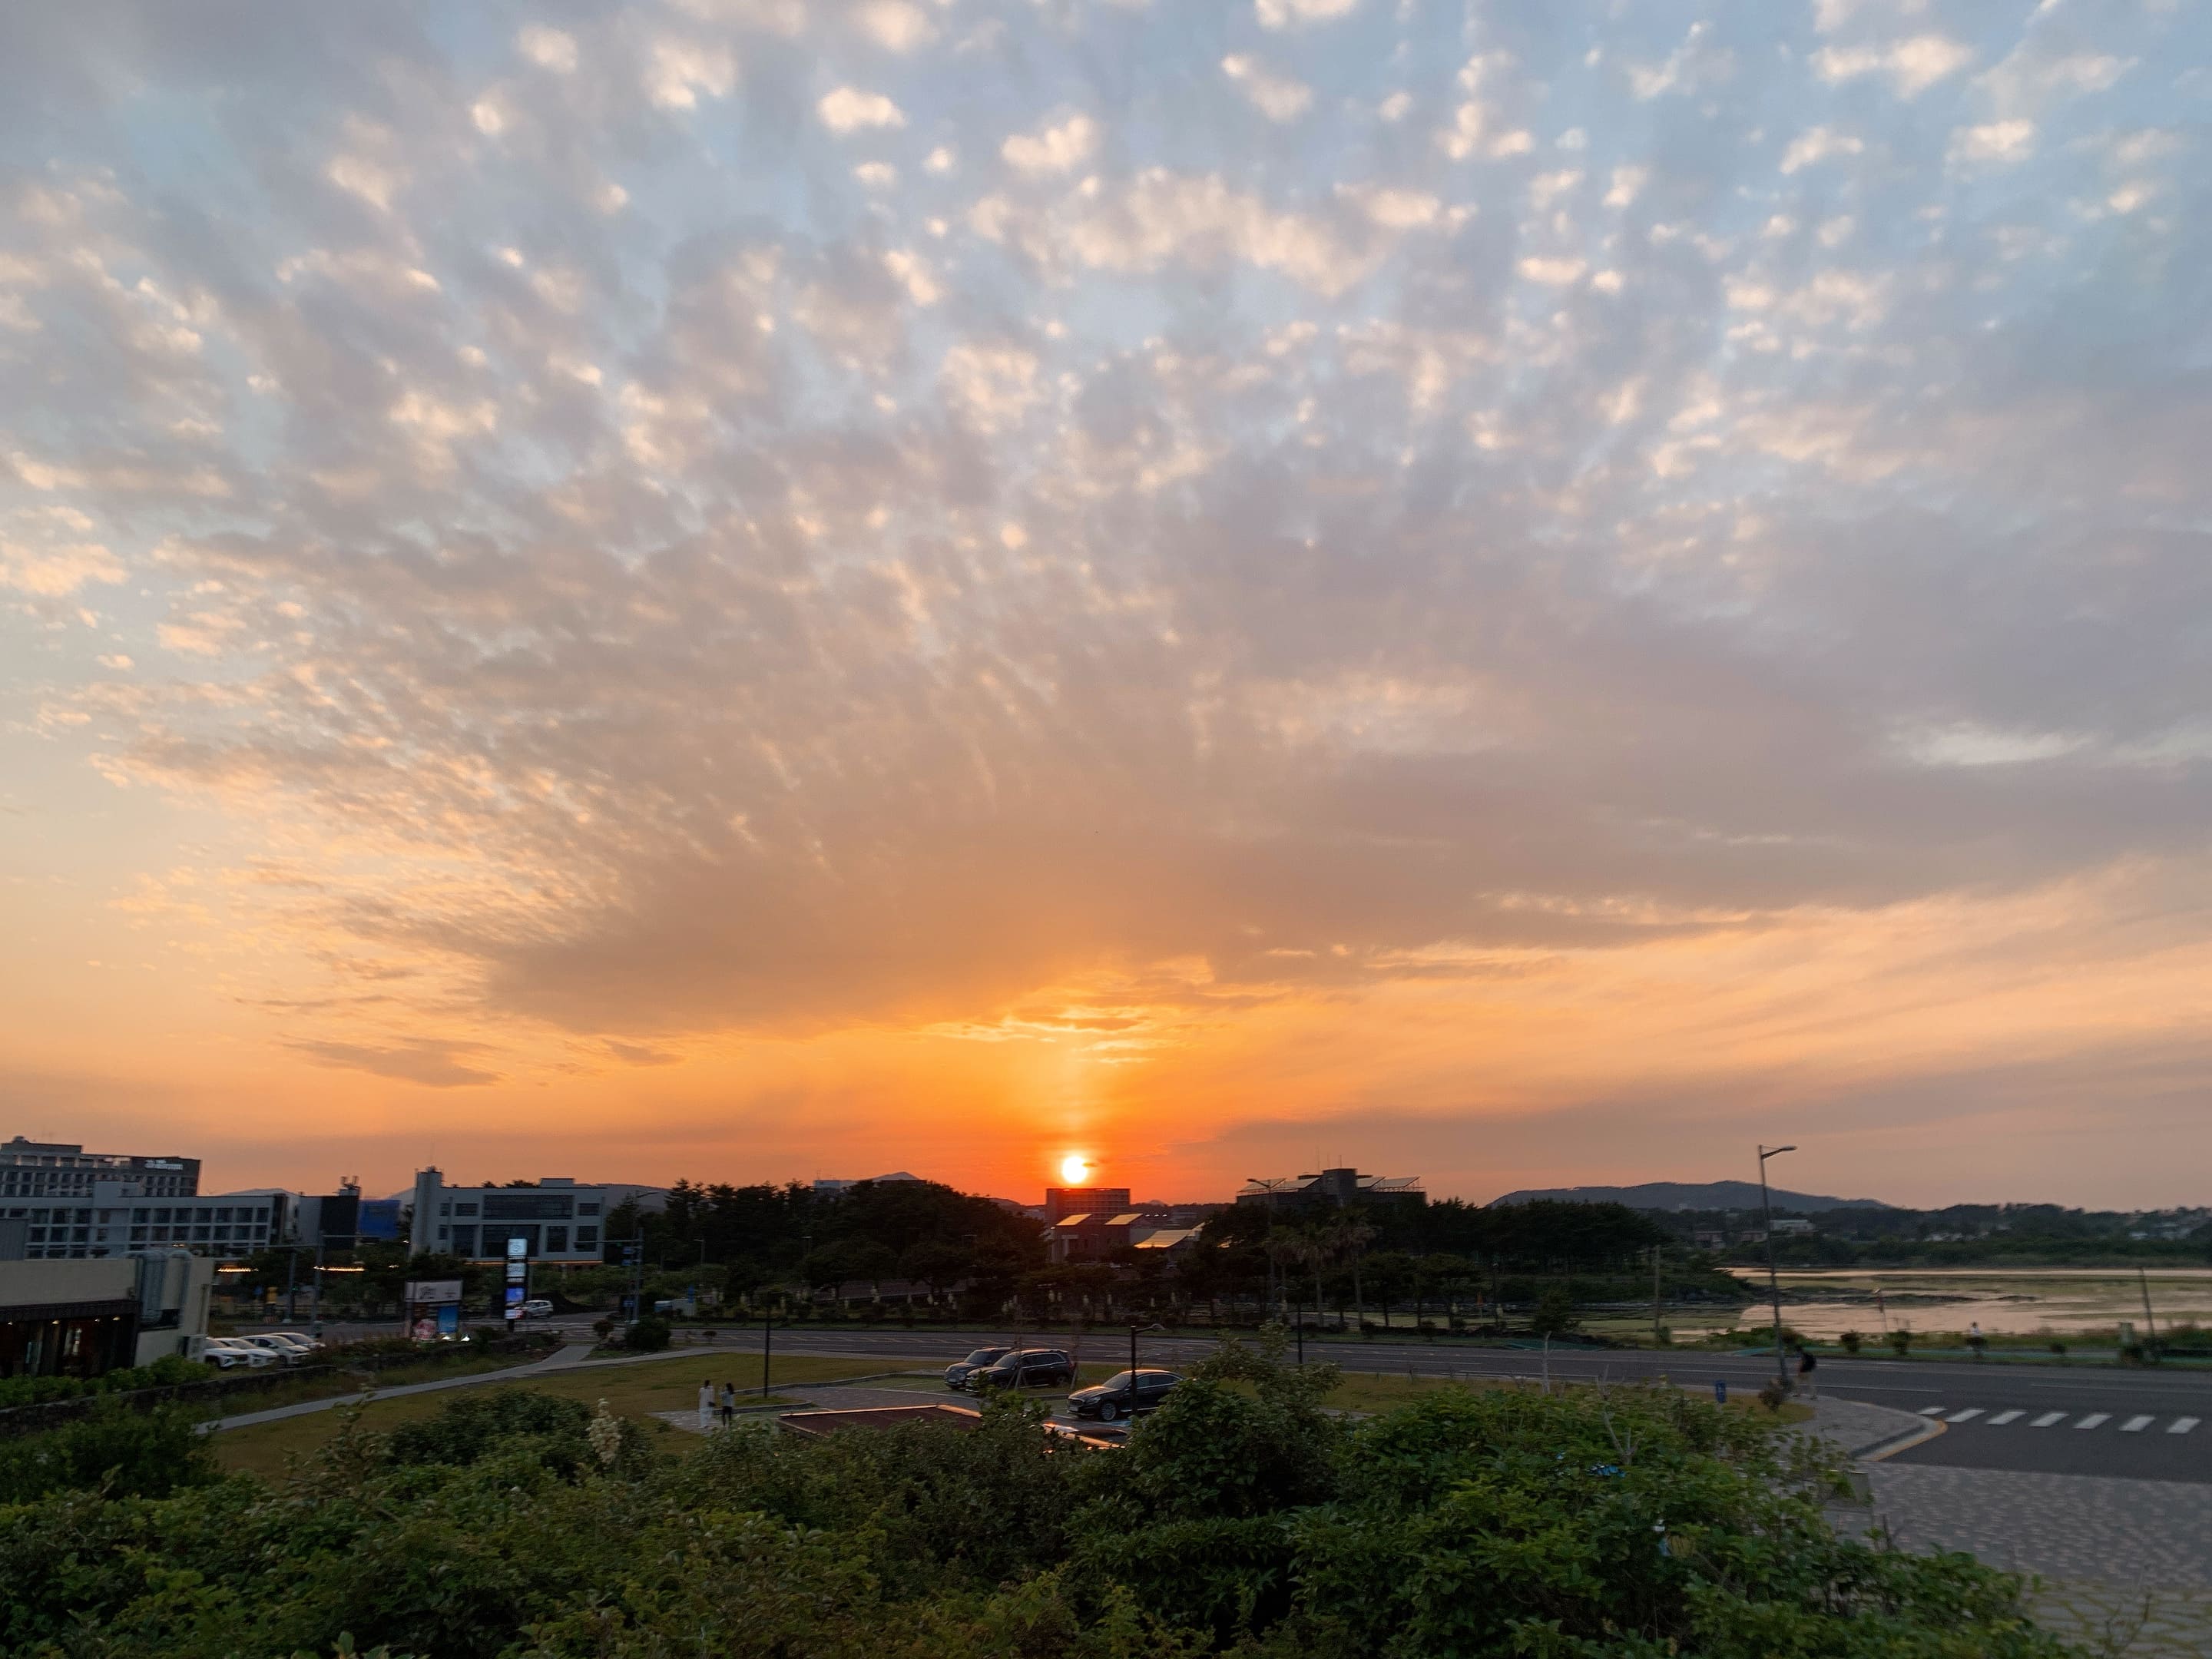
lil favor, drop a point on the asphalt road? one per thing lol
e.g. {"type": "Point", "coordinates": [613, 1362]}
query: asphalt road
{"type": "Point", "coordinates": [2106, 1421]}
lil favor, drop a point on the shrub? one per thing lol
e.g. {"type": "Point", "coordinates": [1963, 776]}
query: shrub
{"type": "Point", "coordinates": [1851, 1340]}
{"type": "Point", "coordinates": [2059, 1349]}
{"type": "Point", "coordinates": [646, 1335]}
{"type": "Point", "coordinates": [114, 1449]}
{"type": "Point", "coordinates": [1603, 1524]}
{"type": "Point", "coordinates": [1901, 1341]}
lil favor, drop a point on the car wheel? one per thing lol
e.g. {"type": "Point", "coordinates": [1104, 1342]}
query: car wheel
{"type": "Point", "coordinates": [1108, 1411]}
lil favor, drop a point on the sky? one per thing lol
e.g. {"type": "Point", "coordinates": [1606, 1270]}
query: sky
{"type": "Point", "coordinates": [1514, 591]}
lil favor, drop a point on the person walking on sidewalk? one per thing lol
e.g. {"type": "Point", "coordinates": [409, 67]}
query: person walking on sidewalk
{"type": "Point", "coordinates": [729, 1404]}
{"type": "Point", "coordinates": [707, 1405]}
{"type": "Point", "coordinates": [1807, 1384]}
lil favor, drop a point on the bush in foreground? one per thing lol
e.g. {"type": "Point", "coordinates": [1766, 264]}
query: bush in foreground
{"type": "Point", "coordinates": [1243, 1519]}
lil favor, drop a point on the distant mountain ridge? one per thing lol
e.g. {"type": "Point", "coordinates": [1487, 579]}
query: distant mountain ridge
{"type": "Point", "coordinates": [1689, 1195]}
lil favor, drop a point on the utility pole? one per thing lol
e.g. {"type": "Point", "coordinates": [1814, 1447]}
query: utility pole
{"type": "Point", "coordinates": [2150, 1325]}
{"type": "Point", "coordinates": [1773, 1282]}
{"type": "Point", "coordinates": [768, 1346]}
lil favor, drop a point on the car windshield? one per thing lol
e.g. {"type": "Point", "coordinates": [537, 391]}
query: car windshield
{"type": "Point", "coordinates": [984, 1355]}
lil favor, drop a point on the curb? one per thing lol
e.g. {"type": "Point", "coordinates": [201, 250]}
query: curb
{"type": "Point", "coordinates": [1897, 1443]}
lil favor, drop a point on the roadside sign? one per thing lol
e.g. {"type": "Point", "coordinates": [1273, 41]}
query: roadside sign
{"type": "Point", "coordinates": [432, 1290]}
{"type": "Point", "coordinates": [1720, 1391]}
{"type": "Point", "coordinates": [516, 1294]}
{"type": "Point", "coordinates": [516, 1247]}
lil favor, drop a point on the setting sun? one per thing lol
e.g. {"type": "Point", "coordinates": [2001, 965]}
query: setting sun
{"type": "Point", "coordinates": [1074, 1169]}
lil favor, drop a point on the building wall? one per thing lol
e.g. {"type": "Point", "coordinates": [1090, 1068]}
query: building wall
{"type": "Point", "coordinates": [116, 1218]}
{"type": "Point", "coordinates": [84, 1317]}
{"type": "Point", "coordinates": [558, 1221]}
{"type": "Point", "coordinates": [1060, 1202]}
{"type": "Point", "coordinates": [53, 1168]}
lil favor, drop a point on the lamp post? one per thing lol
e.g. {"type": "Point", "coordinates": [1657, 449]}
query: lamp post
{"type": "Point", "coordinates": [1773, 1282]}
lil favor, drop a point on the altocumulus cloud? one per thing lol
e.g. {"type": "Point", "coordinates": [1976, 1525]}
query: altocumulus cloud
{"type": "Point", "coordinates": [1345, 485]}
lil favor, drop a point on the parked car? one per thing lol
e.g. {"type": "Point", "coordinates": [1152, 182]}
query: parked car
{"type": "Point", "coordinates": [536, 1308]}
{"type": "Point", "coordinates": [1124, 1394]}
{"type": "Point", "coordinates": [1026, 1368]}
{"type": "Point", "coordinates": [305, 1344]}
{"type": "Point", "coordinates": [957, 1375]}
{"type": "Point", "coordinates": [275, 1343]}
{"type": "Point", "coordinates": [224, 1353]}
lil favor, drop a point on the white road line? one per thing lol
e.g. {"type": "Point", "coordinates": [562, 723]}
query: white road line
{"type": "Point", "coordinates": [2135, 1424]}
{"type": "Point", "coordinates": [1934, 1411]}
{"type": "Point", "coordinates": [2094, 1419]}
{"type": "Point", "coordinates": [2182, 1424]}
{"type": "Point", "coordinates": [2047, 1419]}
{"type": "Point", "coordinates": [2002, 1418]}
{"type": "Point", "coordinates": [1960, 1417]}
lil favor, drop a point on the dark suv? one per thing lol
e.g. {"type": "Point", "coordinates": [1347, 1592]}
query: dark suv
{"type": "Point", "coordinates": [957, 1375]}
{"type": "Point", "coordinates": [1030, 1367]}
{"type": "Point", "coordinates": [1124, 1394]}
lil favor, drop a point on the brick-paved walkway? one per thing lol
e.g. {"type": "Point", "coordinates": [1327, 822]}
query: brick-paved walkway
{"type": "Point", "coordinates": [2085, 1527]}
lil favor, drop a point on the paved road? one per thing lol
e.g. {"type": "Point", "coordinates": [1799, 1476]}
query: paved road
{"type": "Point", "coordinates": [2144, 1424]}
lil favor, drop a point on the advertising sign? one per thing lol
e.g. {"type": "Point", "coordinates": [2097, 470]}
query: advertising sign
{"type": "Point", "coordinates": [449, 1319]}
{"type": "Point", "coordinates": [516, 1294]}
{"type": "Point", "coordinates": [434, 1290]}
{"type": "Point", "coordinates": [517, 1247]}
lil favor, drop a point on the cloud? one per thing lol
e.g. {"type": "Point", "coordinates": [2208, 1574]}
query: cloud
{"type": "Point", "coordinates": [1289, 14]}
{"type": "Point", "coordinates": [1028, 564]}
{"type": "Point", "coordinates": [1277, 97]}
{"type": "Point", "coordinates": [1911, 65]}
{"type": "Point", "coordinates": [435, 1065]}
{"type": "Point", "coordinates": [846, 109]}
{"type": "Point", "coordinates": [1818, 144]}
{"type": "Point", "coordinates": [2005, 143]}
{"type": "Point", "coordinates": [1055, 149]}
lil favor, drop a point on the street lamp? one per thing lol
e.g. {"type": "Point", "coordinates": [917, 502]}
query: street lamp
{"type": "Point", "coordinates": [1773, 1283]}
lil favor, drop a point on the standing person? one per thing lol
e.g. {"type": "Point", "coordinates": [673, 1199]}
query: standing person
{"type": "Point", "coordinates": [729, 1404]}
{"type": "Point", "coordinates": [707, 1405]}
{"type": "Point", "coordinates": [1807, 1383]}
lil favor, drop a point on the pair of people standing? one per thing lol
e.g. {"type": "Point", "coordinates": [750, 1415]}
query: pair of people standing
{"type": "Point", "coordinates": [710, 1402]}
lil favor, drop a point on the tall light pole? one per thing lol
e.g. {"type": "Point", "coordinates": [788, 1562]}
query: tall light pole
{"type": "Point", "coordinates": [1773, 1283]}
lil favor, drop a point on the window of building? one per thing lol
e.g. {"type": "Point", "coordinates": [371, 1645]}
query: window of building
{"type": "Point", "coordinates": [557, 1238]}
{"type": "Point", "coordinates": [587, 1238]}
{"type": "Point", "coordinates": [465, 1209]}
{"type": "Point", "coordinates": [443, 1231]}
{"type": "Point", "coordinates": [587, 1209]}
{"type": "Point", "coordinates": [464, 1241]}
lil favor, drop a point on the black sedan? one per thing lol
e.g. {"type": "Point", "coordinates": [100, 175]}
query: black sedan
{"type": "Point", "coordinates": [1029, 1367]}
{"type": "Point", "coordinates": [957, 1375]}
{"type": "Point", "coordinates": [1127, 1393]}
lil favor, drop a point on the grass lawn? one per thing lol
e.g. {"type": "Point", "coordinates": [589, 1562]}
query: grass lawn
{"type": "Point", "coordinates": [666, 1384]}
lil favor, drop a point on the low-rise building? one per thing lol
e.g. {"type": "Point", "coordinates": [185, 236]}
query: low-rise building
{"type": "Point", "coordinates": [558, 1218]}
{"type": "Point", "coordinates": [1101, 1237]}
{"type": "Point", "coordinates": [1332, 1186]}
{"type": "Point", "coordinates": [80, 1318]}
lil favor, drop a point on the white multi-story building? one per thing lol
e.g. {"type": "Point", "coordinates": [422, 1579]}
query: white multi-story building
{"type": "Point", "coordinates": [120, 1218]}
{"type": "Point", "coordinates": [558, 1219]}
{"type": "Point", "coordinates": [53, 1168]}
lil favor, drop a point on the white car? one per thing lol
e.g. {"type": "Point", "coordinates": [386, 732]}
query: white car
{"type": "Point", "coordinates": [293, 1340]}
{"type": "Point", "coordinates": [225, 1351]}
{"type": "Point", "coordinates": [283, 1347]}
{"type": "Point", "coordinates": [536, 1308]}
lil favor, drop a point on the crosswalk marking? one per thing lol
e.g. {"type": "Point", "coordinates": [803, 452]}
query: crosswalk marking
{"type": "Point", "coordinates": [2181, 1424]}
{"type": "Point", "coordinates": [2135, 1424]}
{"type": "Point", "coordinates": [2094, 1419]}
{"type": "Point", "coordinates": [2003, 1418]}
{"type": "Point", "coordinates": [2047, 1419]}
{"type": "Point", "coordinates": [1961, 1417]}
{"type": "Point", "coordinates": [1934, 1411]}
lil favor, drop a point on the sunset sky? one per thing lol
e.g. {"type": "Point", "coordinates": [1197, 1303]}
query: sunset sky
{"type": "Point", "coordinates": [1519, 592]}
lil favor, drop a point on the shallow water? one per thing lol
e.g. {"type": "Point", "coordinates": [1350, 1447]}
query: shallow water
{"type": "Point", "coordinates": [2004, 1301]}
